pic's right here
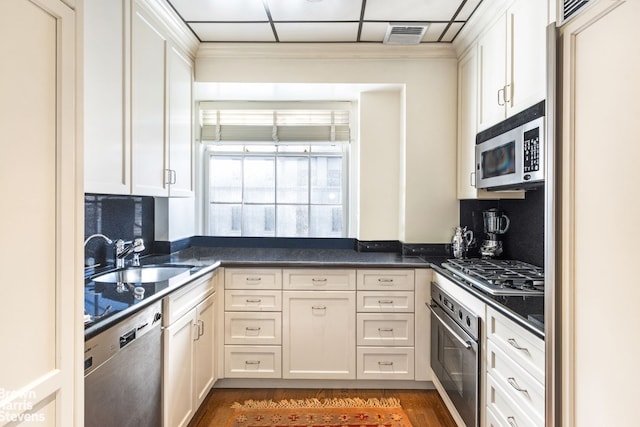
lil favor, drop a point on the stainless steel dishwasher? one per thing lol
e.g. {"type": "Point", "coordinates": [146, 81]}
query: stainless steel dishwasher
{"type": "Point", "coordinates": [123, 372]}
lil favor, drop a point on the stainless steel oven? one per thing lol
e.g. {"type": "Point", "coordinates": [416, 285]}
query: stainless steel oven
{"type": "Point", "coordinates": [455, 353]}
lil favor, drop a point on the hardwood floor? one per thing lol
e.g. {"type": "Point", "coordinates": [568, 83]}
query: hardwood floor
{"type": "Point", "coordinates": [424, 408]}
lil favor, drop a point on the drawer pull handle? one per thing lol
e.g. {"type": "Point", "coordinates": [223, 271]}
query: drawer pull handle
{"type": "Point", "coordinates": [258, 301]}
{"type": "Point", "coordinates": [254, 279]}
{"type": "Point", "coordinates": [385, 301]}
{"type": "Point", "coordinates": [515, 345]}
{"type": "Point", "coordinates": [319, 281]}
{"type": "Point", "coordinates": [252, 328]}
{"type": "Point", "coordinates": [318, 307]}
{"type": "Point", "coordinates": [252, 362]}
{"type": "Point", "coordinates": [385, 329]}
{"type": "Point", "coordinates": [516, 386]}
{"type": "Point", "coordinates": [512, 421]}
{"type": "Point", "coordinates": [383, 281]}
{"type": "Point", "coordinates": [385, 363]}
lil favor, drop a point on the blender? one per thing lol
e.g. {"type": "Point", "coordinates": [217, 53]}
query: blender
{"type": "Point", "coordinates": [495, 223]}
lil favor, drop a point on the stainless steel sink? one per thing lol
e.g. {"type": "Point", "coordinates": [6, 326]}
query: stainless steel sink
{"type": "Point", "coordinates": [147, 274]}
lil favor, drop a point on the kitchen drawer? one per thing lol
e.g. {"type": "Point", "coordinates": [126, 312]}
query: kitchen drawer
{"type": "Point", "coordinates": [386, 280]}
{"type": "Point", "coordinates": [319, 279]}
{"type": "Point", "coordinates": [492, 420]}
{"type": "Point", "coordinates": [385, 329]}
{"type": "Point", "coordinates": [522, 346]}
{"type": "Point", "coordinates": [385, 302]}
{"type": "Point", "coordinates": [181, 301]}
{"type": "Point", "coordinates": [526, 391]}
{"type": "Point", "coordinates": [252, 278]}
{"type": "Point", "coordinates": [253, 328]}
{"type": "Point", "coordinates": [504, 408]}
{"type": "Point", "coordinates": [250, 300]}
{"type": "Point", "coordinates": [252, 361]}
{"type": "Point", "coordinates": [394, 363]}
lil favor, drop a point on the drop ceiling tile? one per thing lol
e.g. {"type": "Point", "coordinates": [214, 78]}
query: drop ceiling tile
{"type": "Point", "coordinates": [220, 10]}
{"type": "Point", "coordinates": [434, 31]}
{"type": "Point", "coordinates": [373, 31]}
{"type": "Point", "coordinates": [468, 8]}
{"type": "Point", "coordinates": [317, 32]}
{"type": "Point", "coordinates": [324, 10]}
{"type": "Point", "coordinates": [452, 32]}
{"type": "Point", "coordinates": [411, 10]}
{"type": "Point", "coordinates": [233, 32]}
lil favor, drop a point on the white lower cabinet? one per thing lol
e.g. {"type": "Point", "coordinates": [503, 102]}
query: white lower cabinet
{"type": "Point", "coordinates": [188, 350]}
{"type": "Point", "coordinates": [242, 361]}
{"type": "Point", "coordinates": [515, 374]}
{"type": "Point", "coordinates": [253, 323]}
{"type": "Point", "coordinates": [323, 324]}
{"type": "Point", "coordinates": [318, 334]}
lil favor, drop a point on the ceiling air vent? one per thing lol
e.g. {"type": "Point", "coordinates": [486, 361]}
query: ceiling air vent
{"type": "Point", "coordinates": [571, 7]}
{"type": "Point", "coordinates": [405, 33]}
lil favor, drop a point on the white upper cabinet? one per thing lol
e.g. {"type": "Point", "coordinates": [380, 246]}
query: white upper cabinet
{"type": "Point", "coordinates": [149, 149]}
{"type": "Point", "coordinates": [512, 62]}
{"type": "Point", "coordinates": [107, 141]}
{"type": "Point", "coordinates": [179, 117]}
{"type": "Point", "coordinates": [138, 94]}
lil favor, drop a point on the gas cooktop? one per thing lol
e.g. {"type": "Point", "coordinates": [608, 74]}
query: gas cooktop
{"type": "Point", "coordinates": [499, 277]}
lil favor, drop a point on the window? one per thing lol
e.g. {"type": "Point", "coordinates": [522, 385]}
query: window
{"type": "Point", "coordinates": [289, 181]}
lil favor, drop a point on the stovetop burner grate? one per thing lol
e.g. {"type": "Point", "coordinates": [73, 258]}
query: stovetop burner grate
{"type": "Point", "coordinates": [499, 277]}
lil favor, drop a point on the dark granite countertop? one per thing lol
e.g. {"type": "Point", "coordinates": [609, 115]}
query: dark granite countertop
{"type": "Point", "coordinates": [202, 260]}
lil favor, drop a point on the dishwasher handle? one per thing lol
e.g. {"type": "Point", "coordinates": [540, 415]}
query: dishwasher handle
{"type": "Point", "coordinates": [467, 344]}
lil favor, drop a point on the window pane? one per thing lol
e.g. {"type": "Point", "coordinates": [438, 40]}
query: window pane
{"type": "Point", "coordinates": [259, 221]}
{"type": "Point", "coordinates": [259, 180]}
{"type": "Point", "coordinates": [293, 180]}
{"type": "Point", "coordinates": [326, 180]}
{"type": "Point", "coordinates": [293, 221]}
{"type": "Point", "coordinates": [225, 179]}
{"type": "Point", "coordinates": [225, 220]}
{"type": "Point", "coordinates": [326, 221]}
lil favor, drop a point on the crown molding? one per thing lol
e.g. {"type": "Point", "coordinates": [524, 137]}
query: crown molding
{"type": "Point", "coordinates": [484, 16]}
{"type": "Point", "coordinates": [176, 29]}
{"type": "Point", "coordinates": [325, 51]}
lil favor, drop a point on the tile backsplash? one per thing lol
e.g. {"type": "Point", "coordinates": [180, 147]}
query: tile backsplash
{"type": "Point", "coordinates": [117, 217]}
{"type": "Point", "coordinates": [525, 239]}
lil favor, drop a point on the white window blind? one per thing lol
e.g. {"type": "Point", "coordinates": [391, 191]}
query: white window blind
{"type": "Point", "coordinates": [269, 122]}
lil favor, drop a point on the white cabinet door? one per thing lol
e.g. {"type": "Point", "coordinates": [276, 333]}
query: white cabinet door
{"type": "Point", "coordinates": [107, 141]}
{"type": "Point", "coordinates": [600, 111]}
{"type": "Point", "coordinates": [319, 339]}
{"type": "Point", "coordinates": [41, 370]}
{"type": "Point", "coordinates": [180, 75]}
{"type": "Point", "coordinates": [513, 62]}
{"type": "Point", "coordinates": [526, 74]}
{"type": "Point", "coordinates": [492, 47]}
{"type": "Point", "coordinates": [148, 88]}
{"type": "Point", "coordinates": [204, 349]}
{"type": "Point", "coordinates": [178, 343]}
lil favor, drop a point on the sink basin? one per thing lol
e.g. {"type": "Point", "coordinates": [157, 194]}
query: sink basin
{"type": "Point", "coordinates": [149, 274]}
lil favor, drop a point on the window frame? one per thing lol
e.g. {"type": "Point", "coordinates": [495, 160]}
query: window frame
{"type": "Point", "coordinates": [344, 154]}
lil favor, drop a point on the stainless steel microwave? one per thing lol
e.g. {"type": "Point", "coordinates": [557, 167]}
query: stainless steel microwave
{"type": "Point", "coordinates": [510, 155]}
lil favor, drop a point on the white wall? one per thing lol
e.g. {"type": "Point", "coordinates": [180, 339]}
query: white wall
{"type": "Point", "coordinates": [380, 150]}
{"type": "Point", "coordinates": [427, 209]}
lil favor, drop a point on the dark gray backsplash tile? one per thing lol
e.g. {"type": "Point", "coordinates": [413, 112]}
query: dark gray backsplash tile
{"type": "Point", "coordinates": [118, 217]}
{"type": "Point", "coordinates": [525, 239]}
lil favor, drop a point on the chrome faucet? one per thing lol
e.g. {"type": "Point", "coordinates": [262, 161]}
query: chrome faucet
{"type": "Point", "coordinates": [106, 239]}
{"type": "Point", "coordinates": [123, 249]}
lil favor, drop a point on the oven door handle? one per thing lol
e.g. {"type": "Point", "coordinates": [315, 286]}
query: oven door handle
{"type": "Point", "coordinates": [468, 345]}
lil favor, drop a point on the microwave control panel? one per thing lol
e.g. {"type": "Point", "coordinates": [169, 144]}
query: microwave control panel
{"type": "Point", "coordinates": [532, 150]}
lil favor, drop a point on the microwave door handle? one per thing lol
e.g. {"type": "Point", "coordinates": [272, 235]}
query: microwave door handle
{"type": "Point", "coordinates": [466, 344]}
